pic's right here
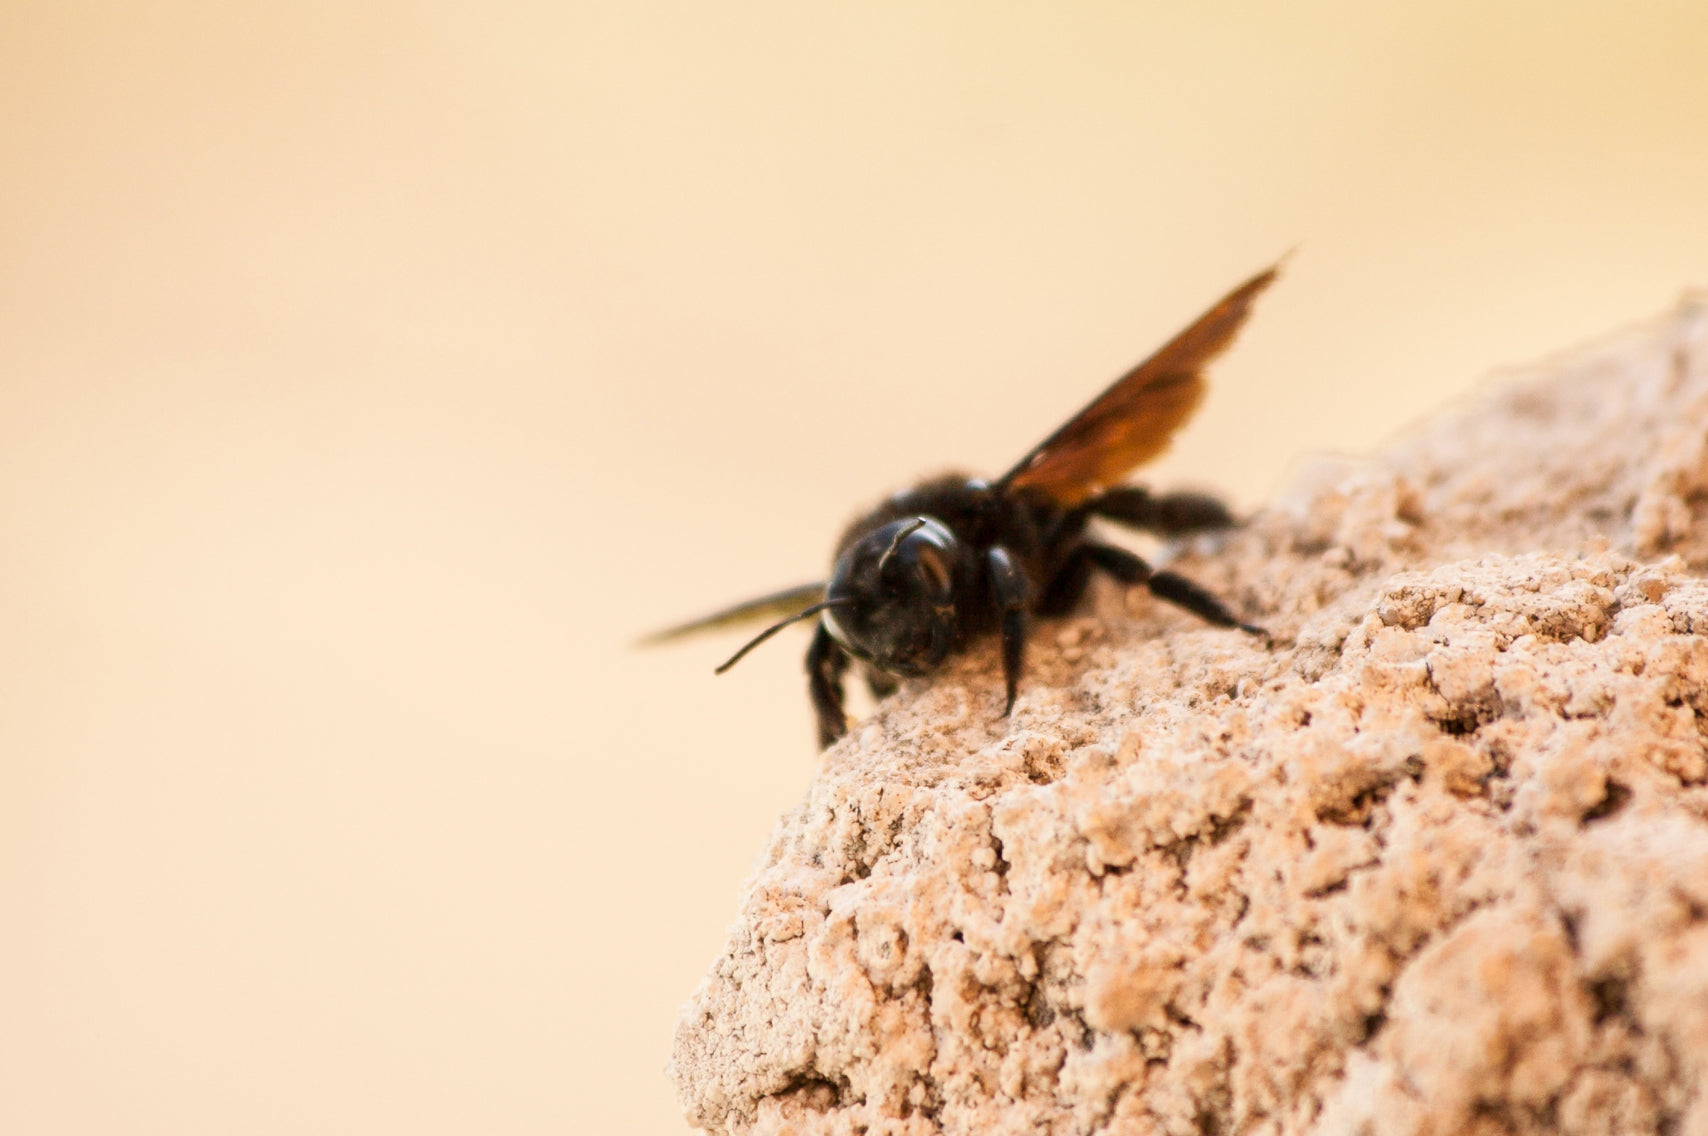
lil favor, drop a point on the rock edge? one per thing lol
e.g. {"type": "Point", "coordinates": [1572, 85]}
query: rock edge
{"type": "Point", "coordinates": [1437, 863]}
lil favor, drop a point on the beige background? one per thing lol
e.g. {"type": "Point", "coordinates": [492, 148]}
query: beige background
{"type": "Point", "coordinates": [370, 374]}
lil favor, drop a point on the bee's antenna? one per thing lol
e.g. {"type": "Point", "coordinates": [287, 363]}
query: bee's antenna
{"type": "Point", "coordinates": [778, 626]}
{"type": "Point", "coordinates": [895, 542]}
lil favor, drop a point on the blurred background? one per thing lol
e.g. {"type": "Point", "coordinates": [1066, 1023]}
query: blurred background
{"type": "Point", "coordinates": [372, 373]}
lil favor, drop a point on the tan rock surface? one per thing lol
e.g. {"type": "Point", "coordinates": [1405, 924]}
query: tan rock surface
{"type": "Point", "coordinates": [1436, 863]}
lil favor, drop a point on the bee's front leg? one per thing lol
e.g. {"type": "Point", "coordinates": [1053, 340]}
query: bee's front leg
{"type": "Point", "coordinates": [882, 684]}
{"type": "Point", "coordinates": [826, 662]}
{"type": "Point", "coordinates": [1011, 591]}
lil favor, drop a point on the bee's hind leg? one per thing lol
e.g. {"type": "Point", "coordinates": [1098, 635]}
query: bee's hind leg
{"type": "Point", "coordinates": [1166, 514]}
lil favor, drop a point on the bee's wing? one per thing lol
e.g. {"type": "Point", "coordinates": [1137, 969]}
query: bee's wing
{"type": "Point", "coordinates": [1132, 422]}
{"type": "Point", "coordinates": [765, 609]}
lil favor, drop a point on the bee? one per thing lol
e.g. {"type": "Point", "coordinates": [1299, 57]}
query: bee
{"type": "Point", "coordinates": [954, 559]}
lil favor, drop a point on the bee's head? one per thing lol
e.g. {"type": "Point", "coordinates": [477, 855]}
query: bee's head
{"type": "Point", "coordinates": [892, 596]}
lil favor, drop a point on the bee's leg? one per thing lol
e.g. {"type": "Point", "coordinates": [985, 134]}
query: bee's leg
{"type": "Point", "coordinates": [1170, 586]}
{"type": "Point", "coordinates": [882, 684]}
{"type": "Point", "coordinates": [1068, 584]}
{"type": "Point", "coordinates": [826, 661]}
{"type": "Point", "coordinates": [1011, 591]}
{"type": "Point", "coordinates": [1167, 514]}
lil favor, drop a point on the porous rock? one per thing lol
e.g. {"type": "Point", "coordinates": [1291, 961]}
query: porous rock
{"type": "Point", "coordinates": [1435, 862]}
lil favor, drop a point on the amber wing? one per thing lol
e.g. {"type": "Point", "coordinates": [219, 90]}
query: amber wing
{"type": "Point", "coordinates": [1132, 422]}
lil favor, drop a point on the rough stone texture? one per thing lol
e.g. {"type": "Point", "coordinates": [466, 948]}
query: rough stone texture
{"type": "Point", "coordinates": [1436, 863]}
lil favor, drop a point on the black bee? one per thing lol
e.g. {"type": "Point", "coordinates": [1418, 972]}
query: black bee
{"type": "Point", "coordinates": [955, 558]}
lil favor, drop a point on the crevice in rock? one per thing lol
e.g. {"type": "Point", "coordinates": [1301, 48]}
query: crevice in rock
{"type": "Point", "coordinates": [1613, 799]}
{"type": "Point", "coordinates": [1610, 997]}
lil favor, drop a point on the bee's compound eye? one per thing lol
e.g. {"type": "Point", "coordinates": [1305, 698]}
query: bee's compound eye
{"type": "Point", "coordinates": [933, 564]}
{"type": "Point", "coordinates": [928, 551]}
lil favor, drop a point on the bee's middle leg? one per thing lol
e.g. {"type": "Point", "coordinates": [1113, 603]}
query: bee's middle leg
{"type": "Point", "coordinates": [1132, 570]}
{"type": "Point", "coordinates": [1063, 590]}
